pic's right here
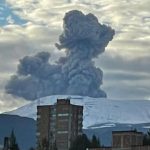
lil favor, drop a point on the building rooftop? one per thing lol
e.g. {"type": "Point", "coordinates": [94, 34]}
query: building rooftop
{"type": "Point", "coordinates": [63, 101]}
{"type": "Point", "coordinates": [128, 131]}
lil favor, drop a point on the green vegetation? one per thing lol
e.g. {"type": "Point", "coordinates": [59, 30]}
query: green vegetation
{"type": "Point", "coordinates": [10, 142]}
{"type": "Point", "coordinates": [146, 139]}
{"type": "Point", "coordinates": [82, 142]}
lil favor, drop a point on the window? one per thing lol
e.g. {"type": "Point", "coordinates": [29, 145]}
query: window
{"type": "Point", "coordinates": [37, 133]}
{"type": "Point", "coordinates": [38, 116]}
{"type": "Point", "coordinates": [66, 114]}
{"type": "Point", "coordinates": [62, 132]}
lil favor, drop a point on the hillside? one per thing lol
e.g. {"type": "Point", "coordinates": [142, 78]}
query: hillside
{"type": "Point", "coordinates": [24, 128]}
{"type": "Point", "coordinates": [98, 112]}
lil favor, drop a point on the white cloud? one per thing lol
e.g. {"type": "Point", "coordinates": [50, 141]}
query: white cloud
{"type": "Point", "coordinates": [8, 103]}
{"type": "Point", "coordinates": [128, 49]}
{"type": "Point", "coordinates": [10, 20]}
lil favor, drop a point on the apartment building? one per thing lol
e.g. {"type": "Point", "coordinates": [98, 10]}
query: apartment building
{"type": "Point", "coordinates": [125, 140]}
{"type": "Point", "coordinates": [58, 125]}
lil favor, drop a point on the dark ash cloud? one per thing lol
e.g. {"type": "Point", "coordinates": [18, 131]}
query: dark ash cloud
{"type": "Point", "coordinates": [84, 38]}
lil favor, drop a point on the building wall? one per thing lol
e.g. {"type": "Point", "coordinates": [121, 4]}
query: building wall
{"type": "Point", "coordinates": [141, 148]}
{"type": "Point", "coordinates": [69, 123]}
{"type": "Point", "coordinates": [62, 125]}
{"type": "Point", "coordinates": [129, 148]}
{"type": "Point", "coordinates": [125, 139]}
{"type": "Point", "coordinates": [43, 121]}
{"type": "Point", "coordinates": [76, 121]}
{"type": "Point", "coordinates": [101, 148]}
{"type": "Point", "coordinates": [59, 124]}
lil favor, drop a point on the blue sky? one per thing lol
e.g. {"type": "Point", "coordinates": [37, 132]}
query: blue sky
{"type": "Point", "coordinates": [31, 26]}
{"type": "Point", "coordinates": [7, 16]}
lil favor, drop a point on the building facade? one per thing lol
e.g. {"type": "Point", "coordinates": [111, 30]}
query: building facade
{"type": "Point", "coordinates": [125, 140]}
{"type": "Point", "coordinates": [58, 125]}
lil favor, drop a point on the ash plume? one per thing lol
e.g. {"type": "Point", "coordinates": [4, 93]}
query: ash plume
{"type": "Point", "coordinates": [83, 38]}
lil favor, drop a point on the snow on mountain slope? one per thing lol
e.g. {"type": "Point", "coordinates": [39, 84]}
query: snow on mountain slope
{"type": "Point", "coordinates": [97, 111]}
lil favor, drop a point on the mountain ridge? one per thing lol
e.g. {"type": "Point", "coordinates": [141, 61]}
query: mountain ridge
{"type": "Point", "coordinates": [97, 111]}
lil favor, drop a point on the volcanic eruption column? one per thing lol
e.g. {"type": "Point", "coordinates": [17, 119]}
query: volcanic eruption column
{"type": "Point", "coordinates": [83, 38]}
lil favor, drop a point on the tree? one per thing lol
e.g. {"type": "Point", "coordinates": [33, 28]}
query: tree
{"type": "Point", "coordinates": [95, 143]}
{"type": "Point", "coordinates": [55, 146]}
{"type": "Point", "coordinates": [12, 138]}
{"type": "Point", "coordinates": [13, 143]}
{"type": "Point", "coordinates": [146, 138]}
{"type": "Point", "coordinates": [31, 148]}
{"type": "Point", "coordinates": [39, 146]}
{"type": "Point", "coordinates": [45, 144]}
{"type": "Point", "coordinates": [80, 143]}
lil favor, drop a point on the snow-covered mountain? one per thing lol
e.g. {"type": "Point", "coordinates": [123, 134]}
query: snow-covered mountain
{"type": "Point", "coordinates": [98, 112]}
